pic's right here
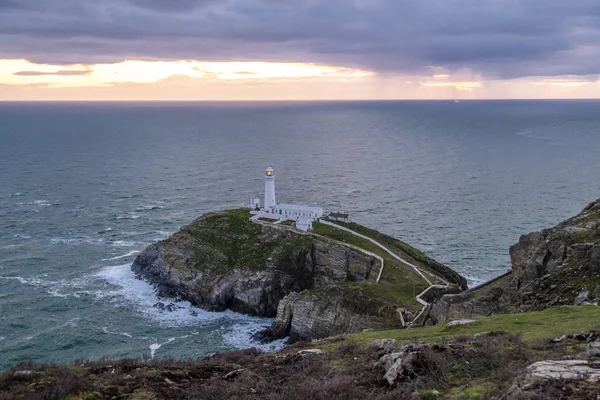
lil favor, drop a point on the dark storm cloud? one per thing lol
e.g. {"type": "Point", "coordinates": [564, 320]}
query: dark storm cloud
{"type": "Point", "coordinates": [173, 5]}
{"type": "Point", "coordinates": [498, 38]}
{"type": "Point", "coordinates": [60, 73]}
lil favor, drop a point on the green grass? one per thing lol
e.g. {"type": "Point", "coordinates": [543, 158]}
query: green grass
{"type": "Point", "coordinates": [228, 239]}
{"type": "Point", "coordinates": [288, 222]}
{"type": "Point", "coordinates": [593, 214]}
{"type": "Point", "coordinates": [498, 283]}
{"type": "Point", "coordinates": [587, 236]}
{"type": "Point", "coordinates": [399, 283]}
{"type": "Point", "coordinates": [403, 250]}
{"type": "Point", "coordinates": [534, 326]}
{"type": "Point", "coordinates": [268, 219]}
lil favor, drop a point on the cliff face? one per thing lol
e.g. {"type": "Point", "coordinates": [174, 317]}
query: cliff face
{"type": "Point", "coordinates": [223, 261]}
{"type": "Point", "coordinates": [555, 266]}
{"type": "Point", "coordinates": [315, 284]}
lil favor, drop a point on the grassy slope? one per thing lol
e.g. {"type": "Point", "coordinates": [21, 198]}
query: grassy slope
{"type": "Point", "coordinates": [534, 326]}
{"type": "Point", "coordinates": [397, 246]}
{"type": "Point", "coordinates": [228, 240]}
{"type": "Point", "coordinates": [399, 284]}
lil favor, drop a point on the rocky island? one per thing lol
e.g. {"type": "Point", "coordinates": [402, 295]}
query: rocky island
{"type": "Point", "coordinates": [316, 284]}
{"type": "Point", "coordinates": [532, 333]}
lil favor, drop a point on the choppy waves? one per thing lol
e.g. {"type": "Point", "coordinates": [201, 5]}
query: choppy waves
{"type": "Point", "coordinates": [133, 292]}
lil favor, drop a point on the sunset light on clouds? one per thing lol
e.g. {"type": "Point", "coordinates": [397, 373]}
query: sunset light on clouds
{"type": "Point", "coordinates": [269, 50]}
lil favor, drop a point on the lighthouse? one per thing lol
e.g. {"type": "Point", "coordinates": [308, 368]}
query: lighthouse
{"type": "Point", "coordinates": [269, 190]}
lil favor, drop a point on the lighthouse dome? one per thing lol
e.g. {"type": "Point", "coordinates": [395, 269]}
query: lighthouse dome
{"type": "Point", "coordinates": [269, 172]}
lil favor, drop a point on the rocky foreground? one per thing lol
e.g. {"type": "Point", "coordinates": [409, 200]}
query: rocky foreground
{"type": "Point", "coordinates": [316, 284]}
{"type": "Point", "coordinates": [464, 361]}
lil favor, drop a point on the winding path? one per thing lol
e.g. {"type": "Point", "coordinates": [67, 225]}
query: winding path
{"type": "Point", "coordinates": [391, 253]}
{"type": "Point", "coordinates": [418, 297]}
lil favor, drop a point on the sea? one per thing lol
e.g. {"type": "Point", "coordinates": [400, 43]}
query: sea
{"type": "Point", "coordinates": [85, 187]}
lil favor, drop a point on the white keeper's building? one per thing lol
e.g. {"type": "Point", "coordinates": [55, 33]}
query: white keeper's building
{"type": "Point", "coordinates": [303, 215]}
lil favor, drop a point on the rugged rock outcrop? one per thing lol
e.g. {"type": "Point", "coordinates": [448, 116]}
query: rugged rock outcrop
{"type": "Point", "coordinates": [314, 286]}
{"type": "Point", "coordinates": [222, 261]}
{"type": "Point", "coordinates": [553, 379]}
{"type": "Point", "coordinates": [556, 266]}
{"type": "Point", "coordinates": [330, 310]}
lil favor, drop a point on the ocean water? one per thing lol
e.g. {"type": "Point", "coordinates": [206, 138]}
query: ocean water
{"type": "Point", "coordinates": [85, 187]}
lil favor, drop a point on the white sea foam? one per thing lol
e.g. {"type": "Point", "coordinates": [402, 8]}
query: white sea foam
{"type": "Point", "coordinates": [105, 330]}
{"type": "Point", "coordinates": [56, 293]}
{"type": "Point", "coordinates": [2, 338]}
{"type": "Point", "coordinates": [42, 203]}
{"type": "Point", "coordinates": [123, 243]}
{"type": "Point", "coordinates": [240, 336]}
{"type": "Point", "coordinates": [32, 281]}
{"type": "Point", "coordinates": [148, 207]}
{"type": "Point", "coordinates": [156, 346]}
{"type": "Point", "coordinates": [473, 281]}
{"type": "Point", "coordinates": [84, 240]}
{"type": "Point", "coordinates": [142, 297]}
{"type": "Point", "coordinates": [69, 324]}
{"type": "Point", "coordinates": [54, 288]}
{"type": "Point", "coordinates": [123, 256]}
{"type": "Point", "coordinates": [130, 216]}
{"type": "Point", "coordinates": [164, 234]}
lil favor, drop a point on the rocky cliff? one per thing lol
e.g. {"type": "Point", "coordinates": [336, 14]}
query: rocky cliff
{"type": "Point", "coordinates": [555, 266]}
{"type": "Point", "coordinates": [224, 261]}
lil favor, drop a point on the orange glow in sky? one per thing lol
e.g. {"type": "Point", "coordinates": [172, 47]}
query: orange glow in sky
{"type": "Point", "coordinates": [199, 80]}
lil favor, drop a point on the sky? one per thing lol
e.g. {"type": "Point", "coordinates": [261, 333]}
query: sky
{"type": "Point", "coordinates": [298, 49]}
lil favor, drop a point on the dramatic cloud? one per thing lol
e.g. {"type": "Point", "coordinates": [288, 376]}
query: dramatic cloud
{"type": "Point", "coordinates": [491, 38]}
{"type": "Point", "coordinates": [59, 73]}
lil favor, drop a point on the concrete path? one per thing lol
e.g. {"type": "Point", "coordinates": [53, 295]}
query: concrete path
{"type": "Point", "coordinates": [391, 253]}
{"type": "Point", "coordinates": [418, 298]}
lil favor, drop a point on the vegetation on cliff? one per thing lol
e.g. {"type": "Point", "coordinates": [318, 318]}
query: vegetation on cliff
{"type": "Point", "coordinates": [480, 361]}
{"type": "Point", "coordinates": [224, 260]}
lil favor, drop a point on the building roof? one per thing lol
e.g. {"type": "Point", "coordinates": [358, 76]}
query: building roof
{"type": "Point", "coordinates": [303, 221]}
{"type": "Point", "coordinates": [296, 207]}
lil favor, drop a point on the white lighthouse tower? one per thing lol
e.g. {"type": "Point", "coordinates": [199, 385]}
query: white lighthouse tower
{"type": "Point", "coordinates": [269, 190]}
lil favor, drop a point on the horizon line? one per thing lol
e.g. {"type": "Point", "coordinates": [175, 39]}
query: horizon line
{"type": "Point", "coordinates": [298, 100]}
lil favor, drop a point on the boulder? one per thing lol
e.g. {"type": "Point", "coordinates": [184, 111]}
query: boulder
{"type": "Point", "coordinates": [404, 364]}
{"type": "Point", "coordinates": [27, 374]}
{"type": "Point", "coordinates": [593, 350]}
{"type": "Point", "coordinates": [402, 368]}
{"type": "Point", "coordinates": [460, 322]}
{"type": "Point", "coordinates": [581, 298]}
{"type": "Point", "coordinates": [540, 376]}
{"type": "Point", "coordinates": [385, 345]}
{"type": "Point", "coordinates": [309, 352]}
